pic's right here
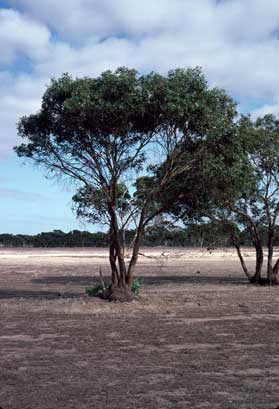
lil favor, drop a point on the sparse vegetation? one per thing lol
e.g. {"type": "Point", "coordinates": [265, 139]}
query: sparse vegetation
{"type": "Point", "coordinates": [101, 289]}
{"type": "Point", "coordinates": [97, 289]}
{"type": "Point", "coordinates": [136, 285]}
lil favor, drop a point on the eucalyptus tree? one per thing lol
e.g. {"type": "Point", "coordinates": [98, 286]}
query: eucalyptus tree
{"type": "Point", "coordinates": [235, 182]}
{"type": "Point", "coordinates": [258, 208]}
{"type": "Point", "coordinates": [110, 134]}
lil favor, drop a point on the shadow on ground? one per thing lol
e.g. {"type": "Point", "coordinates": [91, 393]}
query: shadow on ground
{"type": "Point", "coordinates": [91, 280]}
{"type": "Point", "coordinates": [149, 280]}
{"type": "Point", "coordinates": [28, 294]}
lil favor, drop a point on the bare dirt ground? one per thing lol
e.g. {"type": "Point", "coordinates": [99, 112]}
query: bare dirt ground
{"type": "Point", "coordinates": [199, 336]}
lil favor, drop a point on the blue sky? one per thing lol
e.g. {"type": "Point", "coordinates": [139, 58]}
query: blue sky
{"type": "Point", "coordinates": [235, 41]}
{"type": "Point", "coordinates": [30, 203]}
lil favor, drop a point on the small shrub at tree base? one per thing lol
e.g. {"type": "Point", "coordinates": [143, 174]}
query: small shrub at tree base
{"type": "Point", "coordinates": [98, 289]}
{"type": "Point", "coordinates": [136, 286]}
{"type": "Point", "coordinates": [89, 291]}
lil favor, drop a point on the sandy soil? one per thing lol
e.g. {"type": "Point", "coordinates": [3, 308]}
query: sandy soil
{"type": "Point", "coordinates": [198, 336]}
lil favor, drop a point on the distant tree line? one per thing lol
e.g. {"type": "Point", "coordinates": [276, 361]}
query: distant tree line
{"type": "Point", "coordinates": [206, 235]}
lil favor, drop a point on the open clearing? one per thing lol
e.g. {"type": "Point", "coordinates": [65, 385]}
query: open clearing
{"type": "Point", "coordinates": [198, 337]}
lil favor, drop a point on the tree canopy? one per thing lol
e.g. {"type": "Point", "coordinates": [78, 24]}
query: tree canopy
{"type": "Point", "coordinates": [127, 141]}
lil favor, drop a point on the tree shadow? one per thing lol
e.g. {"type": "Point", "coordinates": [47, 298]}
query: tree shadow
{"type": "Point", "coordinates": [90, 280]}
{"type": "Point", "coordinates": [9, 293]}
{"type": "Point", "coordinates": [147, 280]}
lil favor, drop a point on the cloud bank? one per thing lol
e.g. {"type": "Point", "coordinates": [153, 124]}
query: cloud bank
{"type": "Point", "coordinates": [235, 41]}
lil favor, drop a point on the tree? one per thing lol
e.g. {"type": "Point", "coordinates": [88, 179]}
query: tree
{"type": "Point", "coordinates": [221, 171]}
{"type": "Point", "coordinates": [99, 134]}
{"type": "Point", "coordinates": [258, 208]}
{"type": "Point", "coordinates": [236, 183]}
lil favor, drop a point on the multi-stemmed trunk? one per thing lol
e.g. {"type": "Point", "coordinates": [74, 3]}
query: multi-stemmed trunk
{"type": "Point", "coordinates": [272, 270]}
{"type": "Point", "coordinates": [257, 277]}
{"type": "Point", "coordinates": [256, 240]}
{"type": "Point", "coordinates": [122, 273]}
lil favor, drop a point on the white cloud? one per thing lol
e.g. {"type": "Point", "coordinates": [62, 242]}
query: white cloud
{"type": "Point", "coordinates": [266, 109]}
{"type": "Point", "coordinates": [76, 19]}
{"type": "Point", "coordinates": [10, 111]}
{"type": "Point", "coordinates": [20, 95]}
{"type": "Point", "coordinates": [21, 36]}
{"type": "Point", "coordinates": [107, 17]}
{"type": "Point", "coordinates": [232, 40]}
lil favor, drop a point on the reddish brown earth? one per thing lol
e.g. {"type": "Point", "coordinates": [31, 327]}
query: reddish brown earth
{"type": "Point", "coordinates": [199, 336]}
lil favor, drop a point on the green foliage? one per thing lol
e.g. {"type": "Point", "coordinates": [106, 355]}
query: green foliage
{"type": "Point", "coordinates": [80, 118]}
{"type": "Point", "coordinates": [89, 129]}
{"type": "Point", "coordinates": [97, 289]}
{"type": "Point", "coordinates": [211, 164]}
{"type": "Point", "coordinates": [91, 291]}
{"type": "Point", "coordinates": [193, 235]}
{"type": "Point", "coordinates": [91, 204]}
{"type": "Point", "coordinates": [56, 238]}
{"type": "Point", "coordinates": [136, 285]}
{"type": "Point", "coordinates": [259, 197]}
{"type": "Point", "coordinates": [216, 169]}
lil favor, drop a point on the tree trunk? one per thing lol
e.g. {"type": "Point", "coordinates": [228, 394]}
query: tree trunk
{"type": "Point", "coordinates": [115, 237]}
{"type": "Point", "coordinates": [242, 261]}
{"type": "Point", "coordinates": [255, 237]}
{"type": "Point", "coordinates": [275, 273]}
{"type": "Point", "coordinates": [113, 266]}
{"type": "Point", "coordinates": [259, 263]}
{"type": "Point", "coordinates": [133, 261]}
{"type": "Point", "coordinates": [236, 244]}
{"type": "Point", "coordinates": [119, 290]}
{"type": "Point", "coordinates": [122, 291]}
{"type": "Point", "coordinates": [136, 247]}
{"type": "Point", "coordinates": [256, 240]}
{"type": "Point", "coordinates": [270, 255]}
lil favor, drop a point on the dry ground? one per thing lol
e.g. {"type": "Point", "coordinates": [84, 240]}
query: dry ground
{"type": "Point", "coordinates": [198, 337]}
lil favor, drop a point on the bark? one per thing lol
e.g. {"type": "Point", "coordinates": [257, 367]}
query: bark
{"type": "Point", "coordinates": [275, 273]}
{"type": "Point", "coordinates": [136, 248]}
{"type": "Point", "coordinates": [255, 237]}
{"type": "Point", "coordinates": [119, 253]}
{"type": "Point", "coordinates": [242, 261]}
{"type": "Point", "coordinates": [120, 290]}
{"type": "Point", "coordinates": [259, 261]}
{"type": "Point", "coordinates": [270, 254]}
{"type": "Point", "coordinates": [113, 266]}
{"type": "Point", "coordinates": [236, 244]}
